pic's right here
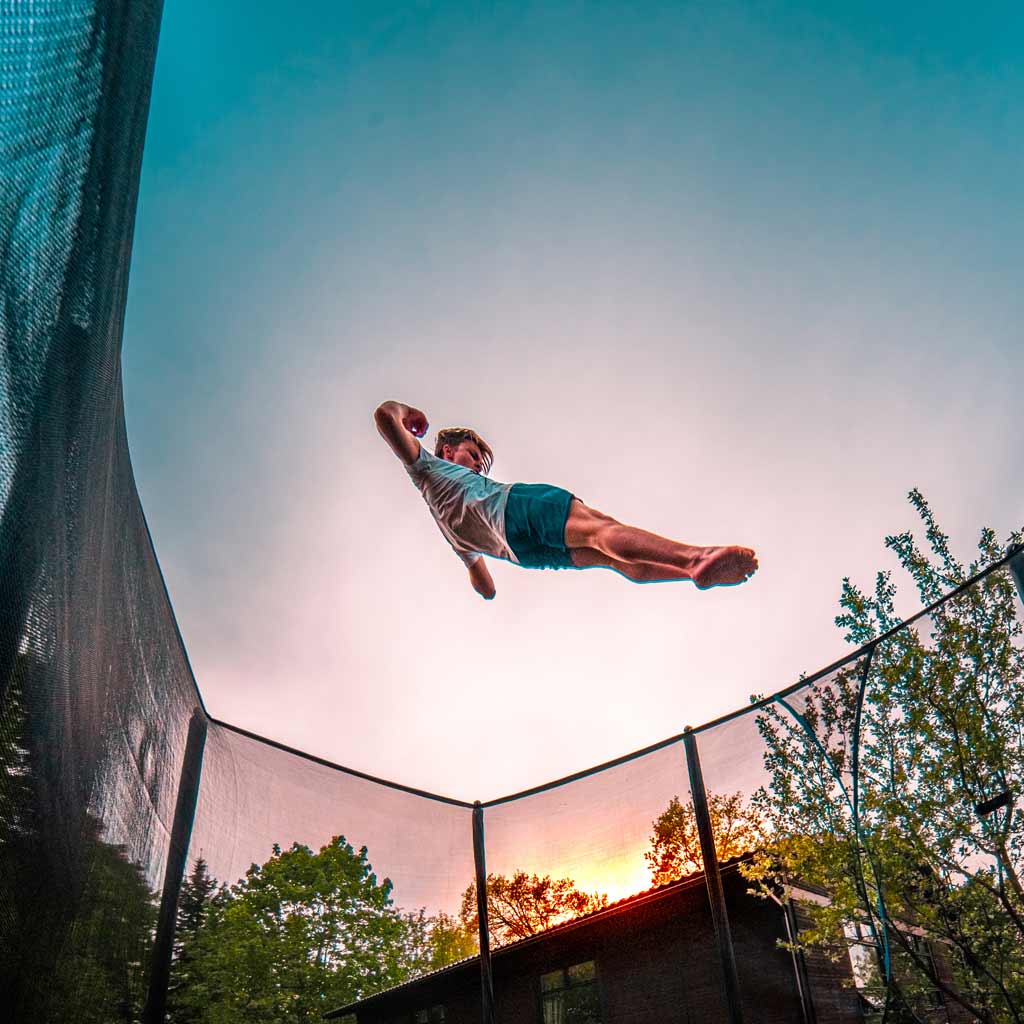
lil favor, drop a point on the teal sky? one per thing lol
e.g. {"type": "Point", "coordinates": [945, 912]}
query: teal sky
{"type": "Point", "coordinates": [736, 272]}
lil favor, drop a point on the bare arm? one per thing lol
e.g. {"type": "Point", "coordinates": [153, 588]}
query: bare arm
{"type": "Point", "coordinates": [480, 577]}
{"type": "Point", "coordinates": [400, 425]}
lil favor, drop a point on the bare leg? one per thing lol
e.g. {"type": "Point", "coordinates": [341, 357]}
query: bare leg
{"type": "Point", "coordinates": [631, 546]}
{"type": "Point", "coordinates": [638, 572]}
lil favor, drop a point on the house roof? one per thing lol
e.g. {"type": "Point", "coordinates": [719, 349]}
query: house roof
{"type": "Point", "coordinates": [656, 892]}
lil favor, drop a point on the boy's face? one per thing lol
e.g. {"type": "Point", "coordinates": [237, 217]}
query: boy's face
{"type": "Point", "coordinates": [465, 453]}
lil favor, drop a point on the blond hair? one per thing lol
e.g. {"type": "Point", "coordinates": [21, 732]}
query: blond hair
{"type": "Point", "coordinates": [454, 436]}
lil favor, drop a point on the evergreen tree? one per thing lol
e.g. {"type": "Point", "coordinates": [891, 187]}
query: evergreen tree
{"type": "Point", "coordinates": [194, 902]}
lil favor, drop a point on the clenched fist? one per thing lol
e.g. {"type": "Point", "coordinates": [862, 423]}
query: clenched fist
{"type": "Point", "coordinates": [415, 422]}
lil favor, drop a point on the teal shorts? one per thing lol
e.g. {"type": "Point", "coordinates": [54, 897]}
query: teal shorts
{"type": "Point", "coordinates": [535, 518]}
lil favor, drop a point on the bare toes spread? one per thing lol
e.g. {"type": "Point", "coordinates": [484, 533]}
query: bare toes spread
{"type": "Point", "coordinates": [720, 567]}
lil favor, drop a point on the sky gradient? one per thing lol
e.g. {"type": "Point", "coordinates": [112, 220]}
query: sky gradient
{"type": "Point", "coordinates": [735, 273]}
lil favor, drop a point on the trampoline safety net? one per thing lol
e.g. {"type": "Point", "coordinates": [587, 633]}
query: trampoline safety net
{"type": "Point", "coordinates": [848, 849]}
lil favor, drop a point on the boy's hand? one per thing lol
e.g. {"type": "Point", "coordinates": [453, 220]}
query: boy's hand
{"type": "Point", "coordinates": [396, 422]}
{"type": "Point", "coordinates": [480, 577]}
{"type": "Point", "coordinates": [415, 422]}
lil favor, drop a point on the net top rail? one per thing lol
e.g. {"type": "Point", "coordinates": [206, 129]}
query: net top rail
{"type": "Point", "coordinates": [848, 659]}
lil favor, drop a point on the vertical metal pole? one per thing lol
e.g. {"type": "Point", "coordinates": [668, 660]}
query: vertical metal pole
{"type": "Point", "coordinates": [1016, 565]}
{"type": "Point", "coordinates": [177, 855]}
{"type": "Point", "coordinates": [713, 877]}
{"type": "Point", "coordinates": [803, 986]}
{"type": "Point", "coordinates": [486, 979]}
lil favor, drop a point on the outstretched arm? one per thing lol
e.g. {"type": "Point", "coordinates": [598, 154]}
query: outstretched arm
{"type": "Point", "coordinates": [480, 577]}
{"type": "Point", "coordinates": [400, 425]}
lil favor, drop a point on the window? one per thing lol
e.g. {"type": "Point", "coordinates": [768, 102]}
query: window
{"type": "Point", "coordinates": [931, 997]}
{"type": "Point", "coordinates": [435, 1015]}
{"type": "Point", "coordinates": [570, 996]}
{"type": "Point", "coordinates": [865, 961]}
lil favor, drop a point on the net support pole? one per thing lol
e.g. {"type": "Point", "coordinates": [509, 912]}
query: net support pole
{"type": "Point", "coordinates": [803, 985]}
{"type": "Point", "coordinates": [177, 856]}
{"type": "Point", "coordinates": [479, 859]}
{"type": "Point", "coordinates": [713, 877]}
{"type": "Point", "coordinates": [1016, 565]}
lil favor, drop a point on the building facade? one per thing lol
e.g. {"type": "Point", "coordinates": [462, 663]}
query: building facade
{"type": "Point", "coordinates": [650, 959]}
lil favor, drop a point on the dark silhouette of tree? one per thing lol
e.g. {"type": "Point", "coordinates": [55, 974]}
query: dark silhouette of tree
{"type": "Point", "coordinates": [103, 968]}
{"type": "Point", "coordinates": [932, 837]}
{"type": "Point", "coordinates": [523, 905]}
{"type": "Point", "coordinates": [20, 860]}
{"type": "Point", "coordinates": [78, 917]}
{"type": "Point", "coordinates": [675, 844]}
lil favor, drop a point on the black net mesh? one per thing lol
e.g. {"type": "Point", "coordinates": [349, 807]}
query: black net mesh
{"type": "Point", "coordinates": [593, 832]}
{"type": "Point", "coordinates": [883, 797]}
{"type": "Point", "coordinates": [871, 812]}
{"type": "Point", "coordinates": [97, 692]}
{"type": "Point", "coordinates": [256, 795]}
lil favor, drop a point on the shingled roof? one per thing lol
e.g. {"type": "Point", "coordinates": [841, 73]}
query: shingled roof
{"type": "Point", "coordinates": [652, 894]}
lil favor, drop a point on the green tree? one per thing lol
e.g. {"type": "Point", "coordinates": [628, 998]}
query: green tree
{"type": "Point", "coordinates": [675, 844]}
{"type": "Point", "coordinates": [451, 940]}
{"type": "Point", "coordinates": [431, 943]}
{"type": "Point", "coordinates": [523, 905]}
{"type": "Point", "coordinates": [301, 934]}
{"type": "Point", "coordinates": [194, 903]}
{"type": "Point", "coordinates": [882, 801]}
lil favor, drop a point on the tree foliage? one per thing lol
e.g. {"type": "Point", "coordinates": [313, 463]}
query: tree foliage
{"type": "Point", "coordinates": [451, 940]}
{"type": "Point", "coordinates": [433, 942]}
{"type": "Point", "coordinates": [194, 902]}
{"type": "Point", "coordinates": [103, 967]}
{"type": "Point", "coordinates": [299, 935]}
{"type": "Point", "coordinates": [675, 844]}
{"type": "Point", "coordinates": [78, 917]}
{"type": "Point", "coordinates": [523, 905]}
{"type": "Point", "coordinates": [878, 772]}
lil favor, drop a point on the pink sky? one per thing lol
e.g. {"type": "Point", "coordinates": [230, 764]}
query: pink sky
{"type": "Point", "coordinates": [727, 279]}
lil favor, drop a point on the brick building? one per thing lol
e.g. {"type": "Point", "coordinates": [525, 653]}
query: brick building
{"type": "Point", "coordinates": [649, 959]}
{"type": "Point", "coordinates": [653, 959]}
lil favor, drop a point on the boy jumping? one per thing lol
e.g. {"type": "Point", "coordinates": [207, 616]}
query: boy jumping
{"type": "Point", "coordinates": [537, 525]}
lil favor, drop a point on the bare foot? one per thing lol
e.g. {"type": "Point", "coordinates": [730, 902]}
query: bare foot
{"type": "Point", "coordinates": [718, 567]}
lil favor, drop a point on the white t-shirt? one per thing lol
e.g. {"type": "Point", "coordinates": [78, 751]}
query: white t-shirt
{"type": "Point", "coordinates": [469, 508]}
